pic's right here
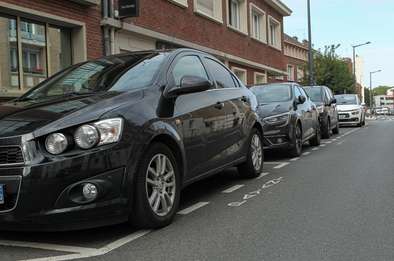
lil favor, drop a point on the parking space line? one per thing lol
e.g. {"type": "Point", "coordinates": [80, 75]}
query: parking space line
{"type": "Point", "coordinates": [295, 159]}
{"type": "Point", "coordinates": [45, 246]}
{"type": "Point", "coordinates": [263, 175]}
{"type": "Point", "coordinates": [315, 149]}
{"type": "Point", "coordinates": [233, 188]}
{"type": "Point", "coordinates": [192, 208]}
{"type": "Point", "coordinates": [284, 164]}
{"type": "Point", "coordinates": [323, 145]}
{"type": "Point", "coordinates": [306, 153]}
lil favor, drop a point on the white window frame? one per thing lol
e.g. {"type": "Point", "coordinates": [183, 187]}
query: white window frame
{"type": "Point", "coordinates": [300, 73]}
{"type": "Point", "coordinates": [258, 74]}
{"type": "Point", "coordinates": [181, 3]}
{"type": "Point", "coordinates": [243, 17]}
{"type": "Point", "coordinates": [241, 70]}
{"type": "Point", "coordinates": [218, 11]}
{"type": "Point", "coordinates": [278, 43]}
{"type": "Point", "coordinates": [263, 23]}
{"type": "Point", "coordinates": [291, 75]}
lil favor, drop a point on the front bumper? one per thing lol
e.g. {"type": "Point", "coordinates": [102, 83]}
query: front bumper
{"type": "Point", "coordinates": [349, 118]}
{"type": "Point", "coordinates": [277, 137]}
{"type": "Point", "coordinates": [44, 196]}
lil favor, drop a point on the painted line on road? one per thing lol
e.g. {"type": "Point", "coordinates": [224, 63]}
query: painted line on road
{"type": "Point", "coordinates": [263, 175]}
{"type": "Point", "coordinates": [45, 246]}
{"type": "Point", "coordinates": [340, 143]}
{"type": "Point", "coordinates": [295, 159]}
{"type": "Point", "coordinates": [284, 164]}
{"type": "Point", "coordinates": [233, 188]}
{"type": "Point", "coordinates": [306, 153]}
{"type": "Point", "coordinates": [323, 145]}
{"type": "Point", "coordinates": [315, 149]}
{"type": "Point", "coordinates": [193, 208]}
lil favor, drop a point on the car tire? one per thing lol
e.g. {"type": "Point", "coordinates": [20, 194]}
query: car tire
{"type": "Point", "coordinates": [336, 129]}
{"type": "Point", "coordinates": [315, 141]}
{"type": "Point", "coordinates": [157, 188]}
{"type": "Point", "coordinates": [295, 149]}
{"type": "Point", "coordinates": [253, 166]}
{"type": "Point", "coordinates": [326, 130]}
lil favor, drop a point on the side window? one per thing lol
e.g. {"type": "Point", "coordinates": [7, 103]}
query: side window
{"type": "Point", "coordinates": [297, 92]}
{"type": "Point", "coordinates": [188, 66]}
{"type": "Point", "coordinates": [328, 94]}
{"type": "Point", "coordinates": [223, 78]}
{"type": "Point", "coordinates": [303, 93]}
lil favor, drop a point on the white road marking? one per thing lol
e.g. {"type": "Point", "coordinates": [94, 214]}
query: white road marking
{"type": "Point", "coordinates": [45, 246]}
{"type": "Point", "coordinates": [323, 145]}
{"type": "Point", "coordinates": [263, 175]}
{"type": "Point", "coordinates": [295, 159]}
{"type": "Point", "coordinates": [306, 153]}
{"type": "Point", "coordinates": [193, 208]}
{"type": "Point", "coordinates": [334, 139]}
{"type": "Point", "coordinates": [340, 143]}
{"type": "Point", "coordinates": [233, 188]}
{"type": "Point", "coordinates": [315, 149]}
{"type": "Point", "coordinates": [284, 164]}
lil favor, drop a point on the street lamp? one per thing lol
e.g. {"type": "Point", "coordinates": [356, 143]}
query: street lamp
{"type": "Point", "coordinates": [370, 88]}
{"type": "Point", "coordinates": [354, 62]}
{"type": "Point", "coordinates": [310, 54]}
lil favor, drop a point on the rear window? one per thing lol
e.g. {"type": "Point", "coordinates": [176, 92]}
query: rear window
{"type": "Point", "coordinates": [346, 99]}
{"type": "Point", "coordinates": [272, 93]}
{"type": "Point", "coordinates": [315, 93]}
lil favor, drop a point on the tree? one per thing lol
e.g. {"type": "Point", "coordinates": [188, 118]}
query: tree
{"type": "Point", "coordinates": [381, 90]}
{"type": "Point", "coordinates": [332, 71]}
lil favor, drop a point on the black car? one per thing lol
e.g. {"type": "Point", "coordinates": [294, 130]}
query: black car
{"type": "Point", "coordinates": [289, 116]}
{"type": "Point", "coordinates": [325, 102]}
{"type": "Point", "coordinates": [116, 139]}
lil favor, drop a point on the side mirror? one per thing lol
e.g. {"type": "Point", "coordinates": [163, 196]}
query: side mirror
{"type": "Point", "coordinates": [301, 99]}
{"type": "Point", "coordinates": [333, 101]}
{"type": "Point", "coordinates": [190, 84]}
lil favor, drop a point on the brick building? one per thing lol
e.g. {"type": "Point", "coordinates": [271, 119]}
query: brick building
{"type": "Point", "coordinates": [296, 58]}
{"type": "Point", "coordinates": [247, 35]}
{"type": "Point", "coordinates": [40, 37]}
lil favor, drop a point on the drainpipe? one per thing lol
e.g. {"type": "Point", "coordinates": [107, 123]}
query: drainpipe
{"type": "Point", "coordinates": [106, 30]}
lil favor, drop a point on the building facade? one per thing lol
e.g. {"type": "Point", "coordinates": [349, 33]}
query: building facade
{"type": "Point", "coordinates": [41, 37]}
{"type": "Point", "coordinates": [247, 35]}
{"type": "Point", "coordinates": [296, 58]}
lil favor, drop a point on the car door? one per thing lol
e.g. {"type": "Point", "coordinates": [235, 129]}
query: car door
{"type": "Point", "coordinates": [302, 112]}
{"type": "Point", "coordinates": [332, 107]}
{"type": "Point", "coordinates": [311, 113]}
{"type": "Point", "coordinates": [195, 114]}
{"type": "Point", "coordinates": [226, 137]}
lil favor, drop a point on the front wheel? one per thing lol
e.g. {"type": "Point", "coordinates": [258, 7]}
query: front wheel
{"type": "Point", "coordinates": [295, 149]}
{"type": "Point", "coordinates": [157, 188]}
{"type": "Point", "coordinates": [326, 129]}
{"type": "Point", "coordinates": [253, 166]}
{"type": "Point", "coordinates": [315, 141]}
{"type": "Point", "coordinates": [336, 129]}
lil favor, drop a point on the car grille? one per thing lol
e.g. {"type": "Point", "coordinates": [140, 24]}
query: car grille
{"type": "Point", "coordinates": [11, 155]}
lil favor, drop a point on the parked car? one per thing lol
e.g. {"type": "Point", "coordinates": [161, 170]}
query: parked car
{"type": "Point", "coordinates": [326, 106]}
{"type": "Point", "coordinates": [350, 110]}
{"type": "Point", "coordinates": [117, 138]}
{"type": "Point", "coordinates": [289, 116]}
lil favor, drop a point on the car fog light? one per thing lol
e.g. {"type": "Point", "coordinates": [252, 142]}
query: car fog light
{"type": "Point", "coordinates": [56, 143]}
{"type": "Point", "coordinates": [90, 191]}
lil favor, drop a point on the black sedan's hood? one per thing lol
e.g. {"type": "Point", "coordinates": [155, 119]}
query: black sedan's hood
{"type": "Point", "coordinates": [271, 109]}
{"type": "Point", "coordinates": [23, 117]}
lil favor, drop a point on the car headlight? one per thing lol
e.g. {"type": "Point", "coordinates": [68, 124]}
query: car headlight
{"type": "Point", "coordinates": [355, 112]}
{"type": "Point", "coordinates": [86, 136]}
{"type": "Point", "coordinates": [110, 130]}
{"type": "Point", "coordinates": [56, 143]}
{"type": "Point", "coordinates": [278, 119]}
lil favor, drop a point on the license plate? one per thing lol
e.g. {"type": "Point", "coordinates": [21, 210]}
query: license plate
{"type": "Point", "coordinates": [1, 194]}
{"type": "Point", "coordinates": [342, 116]}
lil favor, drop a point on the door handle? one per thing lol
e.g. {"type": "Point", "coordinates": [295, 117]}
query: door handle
{"type": "Point", "coordinates": [219, 105]}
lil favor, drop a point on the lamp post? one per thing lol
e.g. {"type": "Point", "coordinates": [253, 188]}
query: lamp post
{"type": "Point", "coordinates": [370, 88]}
{"type": "Point", "coordinates": [310, 54]}
{"type": "Point", "coordinates": [354, 62]}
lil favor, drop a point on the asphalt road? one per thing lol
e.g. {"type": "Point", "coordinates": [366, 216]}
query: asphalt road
{"type": "Point", "coordinates": [333, 203]}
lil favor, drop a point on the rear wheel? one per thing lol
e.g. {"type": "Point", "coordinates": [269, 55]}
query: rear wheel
{"type": "Point", "coordinates": [336, 129]}
{"type": "Point", "coordinates": [296, 146]}
{"type": "Point", "coordinates": [157, 189]}
{"type": "Point", "coordinates": [326, 129]}
{"type": "Point", "coordinates": [253, 166]}
{"type": "Point", "coordinates": [315, 141]}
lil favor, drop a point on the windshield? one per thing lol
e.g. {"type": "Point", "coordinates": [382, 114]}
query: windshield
{"type": "Point", "coordinates": [272, 93]}
{"type": "Point", "coordinates": [315, 93]}
{"type": "Point", "coordinates": [101, 75]}
{"type": "Point", "coordinates": [346, 99]}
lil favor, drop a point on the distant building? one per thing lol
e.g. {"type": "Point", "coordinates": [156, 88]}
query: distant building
{"type": "Point", "coordinates": [296, 54]}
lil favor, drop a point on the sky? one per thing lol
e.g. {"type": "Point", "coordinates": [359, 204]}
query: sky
{"type": "Point", "coordinates": [350, 22]}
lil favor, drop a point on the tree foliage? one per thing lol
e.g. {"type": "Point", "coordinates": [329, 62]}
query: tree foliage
{"type": "Point", "coordinates": [381, 90]}
{"type": "Point", "coordinates": [332, 71]}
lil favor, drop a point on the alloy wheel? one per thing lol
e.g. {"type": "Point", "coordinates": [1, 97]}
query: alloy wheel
{"type": "Point", "coordinates": [160, 185]}
{"type": "Point", "coordinates": [257, 152]}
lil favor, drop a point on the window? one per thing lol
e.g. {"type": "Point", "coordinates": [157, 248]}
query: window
{"type": "Point", "coordinates": [188, 66]}
{"type": "Point", "coordinates": [290, 73]}
{"type": "Point", "coordinates": [237, 15]}
{"type": "Point", "coordinates": [223, 77]}
{"type": "Point", "coordinates": [260, 78]}
{"type": "Point", "coordinates": [300, 73]}
{"type": "Point", "coordinates": [241, 74]}
{"type": "Point", "coordinates": [209, 8]}
{"type": "Point", "coordinates": [44, 50]}
{"type": "Point", "coordinates": [297, 92]}
{"type": "Point", "coordinates": [180, 2]}
{"type": "Point", "coordinates": [258, 23]}
{"type": "Point", "coordinates": [274, 33]}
